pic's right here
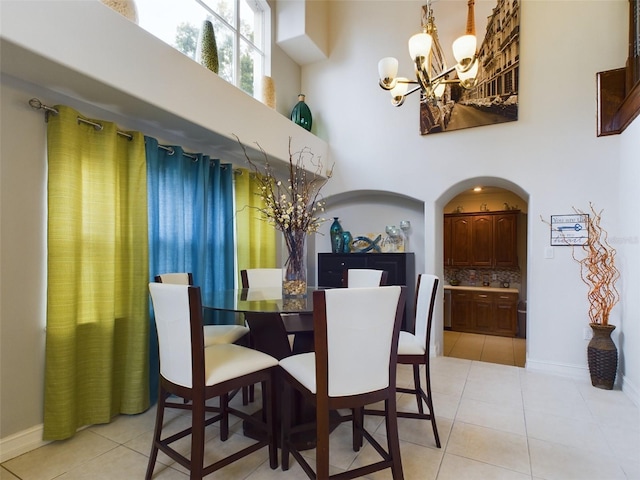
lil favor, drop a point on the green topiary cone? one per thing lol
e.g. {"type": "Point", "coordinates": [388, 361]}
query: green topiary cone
{"type": "Point", "coordinates": [207, 54]}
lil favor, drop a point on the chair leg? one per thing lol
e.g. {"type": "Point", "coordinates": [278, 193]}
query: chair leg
{"type": "Point", "coordinates": [197, 437]}
{"type": "Point", "coordinates": [156, 434]}
{"type": "Point", "coordinates": [429, 401]}
{"type": "Point", "coordinates": [416, 385]}
{"type": "Point", "coordinates": [224, 420]}
{"type": "Point", "coordinates": [393, 441]}
{"type": "Point", "coordinates": [357, 426]}
{"type": "Point", "coordinates": [322, 441]}
{"type": "Point", "coordinates": [285, 427]}
{"type": "Point", "coordinates": [269, 404]}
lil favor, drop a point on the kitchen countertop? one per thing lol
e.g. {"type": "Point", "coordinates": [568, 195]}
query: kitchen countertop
{"type": "Point", "coordinates": [480, 288]}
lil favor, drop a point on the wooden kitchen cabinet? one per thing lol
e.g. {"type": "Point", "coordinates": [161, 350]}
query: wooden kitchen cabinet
{"type": "Point", "coordinates": [505, 240]}
{"type": "Point", "coordinates": [482, 251]}
{"type": "Point", "coordinates": [461, 310]}
{"type": "Point", "coordinates": [457, 241]}
{"type": "Point", "coordinates": [481, 240]}
{"type": "Point", "coordinates": [484, 312]}
{"type": "Point", "coordinates": [506, 313]}
{"type": "Point", "coordinates": [482, 319]}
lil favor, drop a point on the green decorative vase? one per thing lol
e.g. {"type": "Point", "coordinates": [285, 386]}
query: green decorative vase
{"type": "Point", "coordinates": [301, 114]}
{"type": "Point", "coordinates": [336, 236]}
{"type": "Point", "coordinates": [207, 51]}
{"type": "Point", "coordinates": [347, 240]}
{"type": "Point", "coordinates": [602, 356]}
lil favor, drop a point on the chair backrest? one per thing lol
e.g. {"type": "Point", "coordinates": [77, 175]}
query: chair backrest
{"type": "Point", "coordinates": [425, 302]}
{"type": "Point", "coordinates": [175, 278]}
{"type": "Point", "coordinates": [261, 277]}
{"type": "Point", "coordinates": [178, 316]}
{"type": "Point", "coordinates": [356, 338]}
{"type": "Point", "coordinates": [363, 277]}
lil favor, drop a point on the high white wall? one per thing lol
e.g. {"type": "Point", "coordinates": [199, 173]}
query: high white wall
{"type": "Point", "coordinates": [551, 153]}
{"type": "Point", "coordinates": [627, 243]}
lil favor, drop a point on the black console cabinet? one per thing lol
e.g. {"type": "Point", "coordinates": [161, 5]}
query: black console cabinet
{"type": "Point", "coordinates": [400, 269]}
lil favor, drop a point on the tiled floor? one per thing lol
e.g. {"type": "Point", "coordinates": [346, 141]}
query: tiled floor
{"type": "Point", "coordinates": [485, 348]}
{"type": "Point", "coordinates": [495, 422]}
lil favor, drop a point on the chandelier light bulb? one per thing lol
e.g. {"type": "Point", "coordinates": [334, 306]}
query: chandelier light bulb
{"type": "Point", "coordinates": [464, 49]}
{"type": "Point", "coordinates": [420, 45]}
{"type": "Point", "coordinates": [401, 87]}
{"type": "Point", "coordinates": [468, 77]}
{"type": "Point", "coordinates": [388, 70]}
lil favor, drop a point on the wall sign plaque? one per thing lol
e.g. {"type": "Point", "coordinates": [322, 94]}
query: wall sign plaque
{"type": "Point", "coordinates": [567, 230]}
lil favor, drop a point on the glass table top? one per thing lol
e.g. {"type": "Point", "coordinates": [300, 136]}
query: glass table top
{"type": "Point", "coordinates": [260, 300]}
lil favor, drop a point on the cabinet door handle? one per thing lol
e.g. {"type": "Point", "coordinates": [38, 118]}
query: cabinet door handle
{"type": "Point", "coordinates": [504, 296]}
{"type": "Point", "coordinates": [483, 296]}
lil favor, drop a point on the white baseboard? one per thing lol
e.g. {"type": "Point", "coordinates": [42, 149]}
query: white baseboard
{"type": "Point", "coordinates": [21, 442]}
{"type": "Point", "coordinates": [631, 391]}
{"type": "Point", "coordinates": [579, 372]}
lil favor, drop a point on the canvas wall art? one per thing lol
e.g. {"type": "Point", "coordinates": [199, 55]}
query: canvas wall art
{"type": "Point", "coordinates": [494, 98]}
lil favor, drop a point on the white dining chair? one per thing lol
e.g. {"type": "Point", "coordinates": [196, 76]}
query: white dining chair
{"type": "Point", "coordinates": [414, 350]}
{"type": "Point", "coordinates": [197, 373]}
{"type": "Point", "coordinates": [335, 377]}
{"type": "Point", "coordinates": [261, 277]}
{"type": "Point", "coordinates": [363, 277]}
{"type": "Point", "coordinates": [213, 334]}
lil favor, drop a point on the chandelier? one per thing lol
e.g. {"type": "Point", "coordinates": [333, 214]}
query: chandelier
{"type": "Point", "coordinates": [432, 74]}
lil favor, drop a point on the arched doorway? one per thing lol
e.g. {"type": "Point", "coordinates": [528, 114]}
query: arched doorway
{"type": "Point", "coordinates": [485, 292]}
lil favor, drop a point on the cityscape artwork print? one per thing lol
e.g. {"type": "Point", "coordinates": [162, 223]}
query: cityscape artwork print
{"type": "Point", "coordinates": [494, 98]}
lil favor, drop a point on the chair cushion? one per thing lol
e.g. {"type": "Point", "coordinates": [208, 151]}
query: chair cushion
{"type": "Point", "coordinates": [217, 334]}
{"type": "Point", "coordinates": [303, 368]}
{"type": "Point", "coordinates": [409, 344]}
{"type": "Point", "coordinates": [227, 361]}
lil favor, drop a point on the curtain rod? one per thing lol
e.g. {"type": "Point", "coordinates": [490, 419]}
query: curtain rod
{"type": "Point", "coordinates": [36, 104]}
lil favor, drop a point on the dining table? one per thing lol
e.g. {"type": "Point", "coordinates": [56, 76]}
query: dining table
{"type": "Point", "coordinates": [272, 319]}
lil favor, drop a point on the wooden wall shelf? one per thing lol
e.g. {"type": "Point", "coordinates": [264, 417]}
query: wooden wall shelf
{"type": "Point", "coordinates": [619, 89]}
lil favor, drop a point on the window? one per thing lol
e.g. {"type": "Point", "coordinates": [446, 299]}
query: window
{"type": "Point", "coordinates": [242, 30]}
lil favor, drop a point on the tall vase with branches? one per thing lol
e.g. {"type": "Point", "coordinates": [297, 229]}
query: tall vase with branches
{"type": "Point", "coordinates": [599, 272]}
{"type": "Point", "coordinates": [292, 206]}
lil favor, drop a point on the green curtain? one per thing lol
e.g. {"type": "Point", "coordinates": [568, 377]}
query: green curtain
{"type": "Point", "coordinates": [256, 239]}
{"type": "Point", "coordinates": [97, 341]}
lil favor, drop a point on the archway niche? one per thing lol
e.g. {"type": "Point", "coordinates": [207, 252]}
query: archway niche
{"type": "Point", "coordinates": [496, 192]}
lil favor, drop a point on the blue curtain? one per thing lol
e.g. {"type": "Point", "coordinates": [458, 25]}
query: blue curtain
{"type": "Point", "coordinates": [190, 202]}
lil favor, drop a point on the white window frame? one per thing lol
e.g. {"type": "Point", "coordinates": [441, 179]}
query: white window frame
{"type": "Point", "coordinates": [262, 36]}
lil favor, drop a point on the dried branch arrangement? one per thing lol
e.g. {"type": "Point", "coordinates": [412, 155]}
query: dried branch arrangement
{"type": "Point", "coordinates": [598, 270]}
{"type": "Point", "coordinates": [292, 205]}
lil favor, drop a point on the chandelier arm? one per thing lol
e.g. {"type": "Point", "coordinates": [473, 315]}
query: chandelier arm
{"type": "Point", "coordinates": [443, 74]}
{"type": "Point", "coordinates": [415, 89]}
{"type": "Point", "coordinates": [422, 74]}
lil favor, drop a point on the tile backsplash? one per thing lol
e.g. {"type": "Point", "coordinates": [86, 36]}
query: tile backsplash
{"type": "Point", "coordinates": [476, 276]}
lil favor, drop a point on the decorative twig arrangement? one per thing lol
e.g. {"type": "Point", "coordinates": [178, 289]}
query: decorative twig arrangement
{"type": "Point", "coordinates": [598, 270]}
{"type": "Point", "coordinates": [294, 206]}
